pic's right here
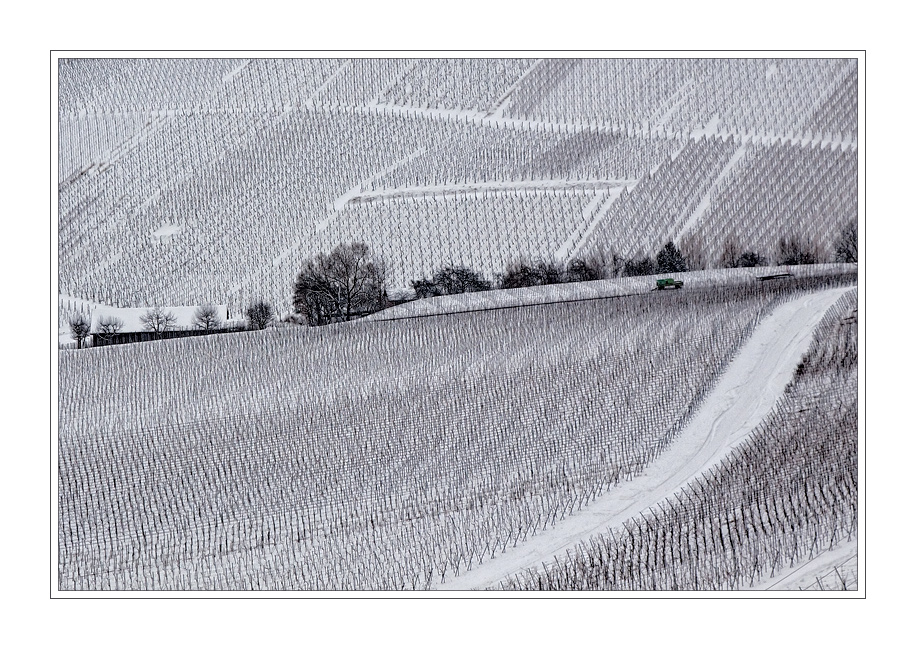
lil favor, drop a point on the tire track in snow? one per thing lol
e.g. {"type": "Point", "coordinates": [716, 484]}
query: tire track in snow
{"type": "Point", "coordinates": [743, 395]}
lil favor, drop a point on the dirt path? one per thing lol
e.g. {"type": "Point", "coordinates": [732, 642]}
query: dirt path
{"type": "Point", "coordinates": [745, 393]}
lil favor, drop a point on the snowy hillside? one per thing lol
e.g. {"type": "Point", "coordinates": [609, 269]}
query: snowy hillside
{"type": "Point", "coordinates": [405, 324]}
{"type": "Point", "coordinates": [392, 455]}
{"type": "Point", "coordinates": [186, 181]}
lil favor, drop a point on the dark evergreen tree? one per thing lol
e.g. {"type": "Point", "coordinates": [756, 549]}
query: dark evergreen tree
{"type": "Point", "coordinates": [670, 259]}
{"type": "Point", "coordinates": [580, 270]}
{"type": "Point", "coordinates": [638, 267]}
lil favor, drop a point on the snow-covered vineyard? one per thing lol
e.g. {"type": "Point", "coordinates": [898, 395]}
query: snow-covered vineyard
{"type": "Point", "coordinates": [366, 479]}
{"type": "Point", "coordinates": [587, 430]}
{"type": "Point", "coordinates": [251, 166]}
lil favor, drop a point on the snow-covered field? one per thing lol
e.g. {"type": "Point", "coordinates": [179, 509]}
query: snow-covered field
{"type": "Point", "coordinates": [389, 455]}
{"type": "Point", "coordinates": [743, 396]}
{"type": "Point", "coordinates": [596, 435]}
{"type": "Point", "coordinates": [202, 182]}
{"type": "Point", "coordinates": [778, 511]}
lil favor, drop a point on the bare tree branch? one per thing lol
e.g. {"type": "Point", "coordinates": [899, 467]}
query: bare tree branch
{"type": "Point", "coordinates": [259, 314]}
{"type": "Point", "coordinates": [109, 326]}
{"type": "Point", "coordinates": [158, 321]}
{"type": "Point", "coordinates": [206, 318]}
{"type": "Point", "coordinates": [79, 329]}
{"type": "Point", "coordinates": [347, 282]}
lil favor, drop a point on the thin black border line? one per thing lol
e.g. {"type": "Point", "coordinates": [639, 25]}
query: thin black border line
{"type": "Point", "coordinates": [55, 353]}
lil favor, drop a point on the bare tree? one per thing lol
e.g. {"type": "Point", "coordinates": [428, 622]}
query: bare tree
{"type": "Point", "coordinates": [451, 280]}
{"type": "Point", "coordinates": [520, 274]}
{"type": "Point", "coordinates": [259, 314]}
{"type": "Point", "coordinates": [206, 318]}
{"type": "Point", "coordinates": [347, 282]}
{"type": "Point", "coordinates": [459, 279]}
{"type": "Point", "coordinates": [730, 253]}
{"type": "Point", "coordinates": [109, 326]}
{"type": "Point", "coordinates": [423, 288]}
{"type": "Point", "coordinates": [583, 270]}
{"type": "Point", "coordinates": [732, 257]}
{"type": "Point", "coordinates": [313, 298]}
{"type": "Point", "coordinates": [158, 321]}
{"type": "Point", "coordinates": [639, 266]}
{"type": "Point", "coordinates": [79, 329]}
{"type": "Point", "coordinates": [604, 257]}
{"type": "Point", "coordinates": [696, 251]}
{"type": "Point", "coordinates": [847, 247]}
{"type": "Point", "coordinates": [795, 250]}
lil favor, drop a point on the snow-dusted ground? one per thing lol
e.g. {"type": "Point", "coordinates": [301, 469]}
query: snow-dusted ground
{"type": "Point", "coordinates": [745, 393]}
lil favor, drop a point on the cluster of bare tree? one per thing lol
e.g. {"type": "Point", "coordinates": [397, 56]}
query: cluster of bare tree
{"type": "Point", "coordinates": [350, 282]}
{"type": "Point", "coordinates": [156, 321]}
{"type": "Point", "coordinates": [347, 283]}
{"type": "Point", "coordinates": [794, 250]}
{"type": "Point", "coordinates": [451, 280]}
{"type": "Point", "coordinates": [734, 256]}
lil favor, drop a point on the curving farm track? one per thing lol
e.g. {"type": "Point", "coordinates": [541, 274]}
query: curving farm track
{"type": "Point", "coordinates": [744, 394]}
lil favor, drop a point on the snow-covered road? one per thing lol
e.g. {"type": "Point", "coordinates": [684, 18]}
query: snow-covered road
{"type": "Point", "coordinates": [745, 393]}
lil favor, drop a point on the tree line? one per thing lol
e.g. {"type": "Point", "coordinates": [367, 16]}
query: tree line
{"type": "Point", "coordinates": [159, 321]}
{"type": "Point", "coordinates": [349, 282]}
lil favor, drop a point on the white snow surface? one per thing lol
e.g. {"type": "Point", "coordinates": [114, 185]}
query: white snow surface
{"type": "Point", "coordinates": [592, 216]}
{"type": "Point", "coordinates": [166, 231]}
{"type": "Point", "coordinates": [744, 394]}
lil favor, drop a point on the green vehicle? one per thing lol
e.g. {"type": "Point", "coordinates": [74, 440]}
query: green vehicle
{"type": "Point", "coordinates": [668, 282]}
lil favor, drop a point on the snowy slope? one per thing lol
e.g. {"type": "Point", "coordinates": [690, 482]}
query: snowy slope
{"type": "Point", "coordinates": [255, 165]}
{"type": "Point", "coordinates": [742, 397]}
